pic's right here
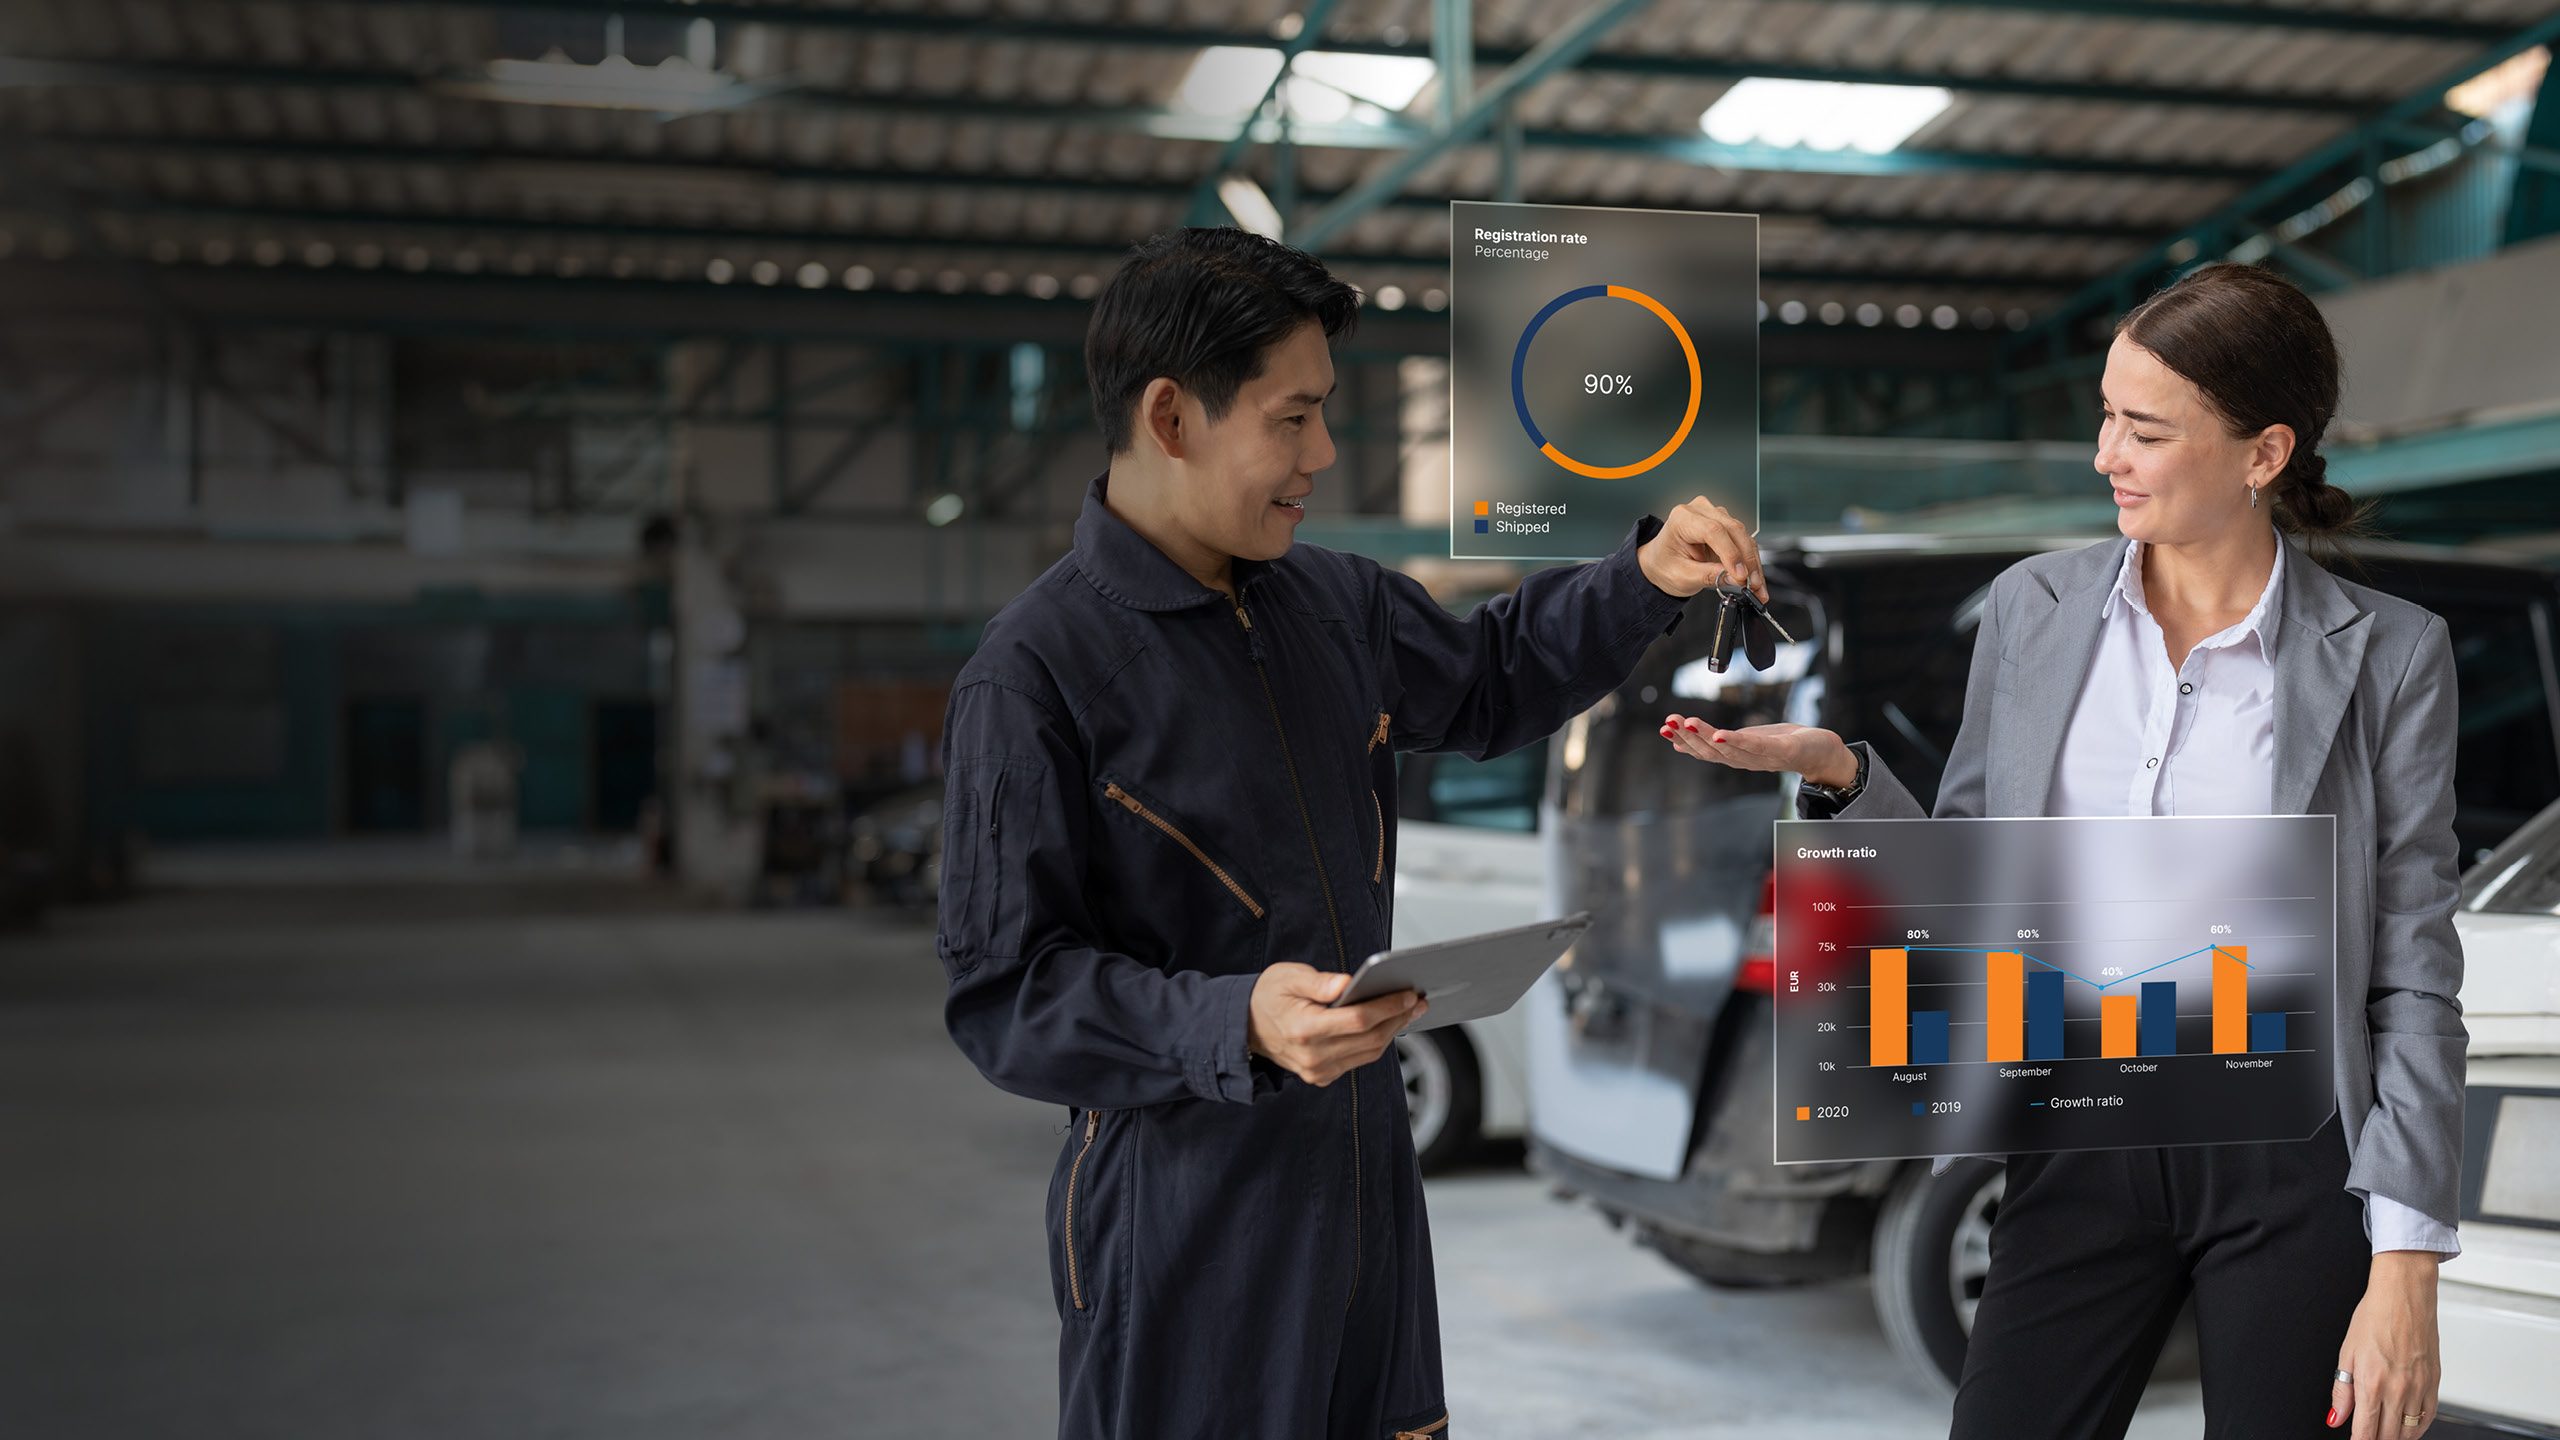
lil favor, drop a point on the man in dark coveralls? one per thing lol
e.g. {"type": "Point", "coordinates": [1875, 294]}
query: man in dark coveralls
{"type": "Point", "coordinates": [1170, 831]}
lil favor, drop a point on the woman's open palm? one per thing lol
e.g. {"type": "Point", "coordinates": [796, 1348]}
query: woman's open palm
{"type": "Point", "coordinates": [1818, 755]}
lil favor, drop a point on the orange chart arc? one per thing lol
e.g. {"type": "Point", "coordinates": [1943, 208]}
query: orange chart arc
{"type": "Point", "coordinates": [1688, 350]}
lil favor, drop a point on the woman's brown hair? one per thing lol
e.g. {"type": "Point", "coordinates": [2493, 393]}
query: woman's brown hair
{"type": "Point", "coordinates": [2262, 355]}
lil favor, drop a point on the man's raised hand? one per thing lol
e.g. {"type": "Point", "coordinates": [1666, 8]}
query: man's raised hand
{"type": "Point", "coordinates": [1700, 545]}
{"type": "Point", "coordinates": [1291, 1022]}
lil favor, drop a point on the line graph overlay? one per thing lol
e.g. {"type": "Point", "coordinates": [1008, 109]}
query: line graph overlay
{"type": "Point", "coordinates": [2111, 982]}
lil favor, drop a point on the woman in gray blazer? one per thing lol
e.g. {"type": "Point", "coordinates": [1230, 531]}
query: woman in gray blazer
{"type": "Point", "coordinates": [2201, 665]}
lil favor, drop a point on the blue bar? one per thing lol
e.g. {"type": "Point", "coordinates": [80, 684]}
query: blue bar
{"type": "Point", "coordinates": [2156, 1033]}
{"type": "Point", "coordinates": [2266, 1033]}
{"type": "Point", "coordinates": [2044, 1014]}
{"type": "Point", "coordinates": [1928, 1037]}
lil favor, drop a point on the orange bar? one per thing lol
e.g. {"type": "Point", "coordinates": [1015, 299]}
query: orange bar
{"type": "Point", "coordinates": [1889, 1007]}
{"type": "Point", "coordinates": [2116, 1017]}
{"type": "Point", "coordinates": [2230, 999]}
{"type": "Point", "coordinates": [2007, 973]}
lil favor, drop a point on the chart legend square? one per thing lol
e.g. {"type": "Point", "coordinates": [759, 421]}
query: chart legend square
{"type": "Point", "coordinates": [1984, 987]}
{"type": "Point", "coordinates": [1604, 365]}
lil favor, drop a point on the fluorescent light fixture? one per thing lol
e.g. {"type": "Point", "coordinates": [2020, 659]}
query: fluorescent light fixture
{"type": "Point", "coordinates": [1822, 114]}
{"type": "Point", "coordinates": [1227, 80]}
{"type": "Point", "coordinates": [1387, 81]}
{"type": "Point", "coordinates": [2514, 82]}
{"type": "Point", "coordinates": [1324, 88]}
{"type": "Point", "coordinates": [673, 86]}
{"type": "Point", "coordinates": [1251, 207]}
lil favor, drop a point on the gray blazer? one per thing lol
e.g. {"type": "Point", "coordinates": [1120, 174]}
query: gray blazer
{"type": "Point", "coordinates": [2365, 723]}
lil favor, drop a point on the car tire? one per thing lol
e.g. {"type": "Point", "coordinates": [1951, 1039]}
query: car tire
{"type": "Point", "coordinates": [1932, 1249]}
{"type": "Point", "coordinates": [1443, 1095]}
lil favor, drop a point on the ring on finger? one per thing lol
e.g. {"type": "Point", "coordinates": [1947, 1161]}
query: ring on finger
{"type": "Point", "coordinates": [2343, 1377]}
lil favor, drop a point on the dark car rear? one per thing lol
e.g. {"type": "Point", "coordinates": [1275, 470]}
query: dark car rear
{"type": "Point", "coordinates": [1650, 1062]}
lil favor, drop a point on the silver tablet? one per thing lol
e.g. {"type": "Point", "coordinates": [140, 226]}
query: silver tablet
{"type": "Point", "coordinates": [1471, 977]}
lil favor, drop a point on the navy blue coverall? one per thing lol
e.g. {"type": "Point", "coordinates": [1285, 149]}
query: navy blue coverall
{"type": "Point", "coordinates": [1153, 793]}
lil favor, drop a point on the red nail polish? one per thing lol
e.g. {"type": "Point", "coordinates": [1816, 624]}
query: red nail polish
{"type": "Point", "coordinates": [2333, 1418]}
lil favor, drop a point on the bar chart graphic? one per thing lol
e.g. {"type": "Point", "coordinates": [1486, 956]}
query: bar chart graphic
{"type": "Point", "coordinates": [1998, 986]}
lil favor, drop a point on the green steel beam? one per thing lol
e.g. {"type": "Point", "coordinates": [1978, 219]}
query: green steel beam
{"type": "Point", "coordinates": [312, 218]}
{"type": "Point", "coordinates": [1569, 43]}
{"type": "Point", "coordinates": [2533, 209]}
{"type": "Point", "coordinates": [473, 156]}
{"type": "Point", "coordinates": [1699, 150]}
{"type": "Point", "coordinates": [746, 239]}
{"type": "Point", "coordinates": [1414, 140]}
{"type": "Point", "coordinates": [1453, 56]}
{"type": "Point", "coordinates": [2447, 457]}
{"type": "Point", "coordinates": [998, 26]}
{"type": "Point", "coordinates": [2216, 233]}
{"type": "Point", "coordinates": [1686, 68]}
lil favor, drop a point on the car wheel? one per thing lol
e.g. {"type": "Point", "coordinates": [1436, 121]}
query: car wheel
{"type": "Point", "coordinates": [1932, 1250]}
{"type": "Point", "coordinates": [1443, 1095]}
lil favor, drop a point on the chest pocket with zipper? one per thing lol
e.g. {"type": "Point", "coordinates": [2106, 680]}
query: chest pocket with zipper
{"type": "Point", "coordinates": [1223, 874]}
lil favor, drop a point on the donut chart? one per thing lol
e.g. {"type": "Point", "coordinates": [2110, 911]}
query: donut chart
{"type": "Point", "coordinates": [1520, 399]}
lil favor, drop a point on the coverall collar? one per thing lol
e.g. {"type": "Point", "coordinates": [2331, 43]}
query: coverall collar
{"type": "Point", "coordinates": [1129, 570]}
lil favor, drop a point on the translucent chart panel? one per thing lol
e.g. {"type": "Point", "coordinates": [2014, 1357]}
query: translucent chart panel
{"type": "Point", "coordinates": [1604, 365]}
{"type": "Point", "coordinates": [1984, 987]}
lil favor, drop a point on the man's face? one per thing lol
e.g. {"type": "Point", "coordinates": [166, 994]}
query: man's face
{"type": "Point", "coordinates": [1249, 473]}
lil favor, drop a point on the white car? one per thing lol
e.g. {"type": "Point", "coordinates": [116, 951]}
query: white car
{"type": "Point", "coordinates": [2500, 1302]}
{"type": "Point", "coordinates": [1474, 867]}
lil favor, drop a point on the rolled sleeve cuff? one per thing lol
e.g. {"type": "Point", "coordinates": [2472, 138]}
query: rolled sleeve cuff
{"type": "Point", "coordinates": [2394, 1226]}
{"type": "Point", "coordinates": [1662, 608]}
{"type": "Point", "coordinates": [1225, 1070]}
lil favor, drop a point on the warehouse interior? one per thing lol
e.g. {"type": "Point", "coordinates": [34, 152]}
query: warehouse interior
{"type": "Point", "coordinates": [648, 402]}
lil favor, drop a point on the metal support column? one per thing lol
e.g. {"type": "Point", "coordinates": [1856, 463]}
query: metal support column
{"type": "Point", "coordinates": [2377, 213]}
{"type": "Point", "coordinates": [1506, 185]}
{"type": "Point", "coordinates": [1284, 176]}
{"type": "Point", "coordinates": [1453, 50]}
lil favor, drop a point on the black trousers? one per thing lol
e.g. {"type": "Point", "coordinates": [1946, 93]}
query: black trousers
{"type": "Point", "coordinates": [2094, 1252]}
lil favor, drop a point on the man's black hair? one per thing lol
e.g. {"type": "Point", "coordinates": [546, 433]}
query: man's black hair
{"type": "Point", "coordinates": [1201, 306]}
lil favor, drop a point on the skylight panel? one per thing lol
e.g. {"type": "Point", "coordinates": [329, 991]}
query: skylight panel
{"type": "Point", "coordinates": [1326, 87]}
{"type": "Point", "coordinates": [1822, 114]}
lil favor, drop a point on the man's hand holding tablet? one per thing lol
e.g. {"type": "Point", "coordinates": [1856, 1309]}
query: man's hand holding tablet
{"type": "Point", "coordinates": [1294, 1024]}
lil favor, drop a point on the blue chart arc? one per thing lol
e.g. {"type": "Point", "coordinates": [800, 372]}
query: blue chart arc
{"type": "Point", "coordinates": [1520, 396]}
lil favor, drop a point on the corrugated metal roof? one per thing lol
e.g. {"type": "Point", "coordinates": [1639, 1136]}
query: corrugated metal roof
{"type": "Point", "coordinates": [973, 146]}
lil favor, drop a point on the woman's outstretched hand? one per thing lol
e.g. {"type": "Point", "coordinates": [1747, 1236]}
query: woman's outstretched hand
{"type": "Point", "coordinates": [1818, 755]}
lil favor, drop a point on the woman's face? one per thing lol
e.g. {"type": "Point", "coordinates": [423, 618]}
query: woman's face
{"type": "Point", "coordinates": [2179, 475]}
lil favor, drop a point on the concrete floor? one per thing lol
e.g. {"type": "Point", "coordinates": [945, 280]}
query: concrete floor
{"type": "Point", "coordinates": [567, 1160]}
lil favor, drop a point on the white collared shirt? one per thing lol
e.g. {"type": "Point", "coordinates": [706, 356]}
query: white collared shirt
{"type": "Point", "coordinates": [2149, 738]}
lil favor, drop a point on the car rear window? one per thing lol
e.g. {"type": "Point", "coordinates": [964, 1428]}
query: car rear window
{"type": "Point", "coordinates": [1905, 655]}
{"type": "Point", "coordinates": [1496, 794]}
{"type": "Point", "coordinates": [1612, 759]}
{"type": "Point", "coordinates": [2506, 766]}
{"type": "Point", "coordinates": [2522, 876]}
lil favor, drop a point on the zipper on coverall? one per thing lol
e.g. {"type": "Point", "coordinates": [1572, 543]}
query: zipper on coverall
{"type": "Point", "coordinates": [1324, 882]}
{"type": "Point", "coordinates": [1075, 1280]}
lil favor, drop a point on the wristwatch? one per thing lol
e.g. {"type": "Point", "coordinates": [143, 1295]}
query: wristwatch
{"type": "Point", "coordinates": [1838, 797]}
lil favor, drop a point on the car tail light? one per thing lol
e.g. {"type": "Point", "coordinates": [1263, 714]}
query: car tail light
{"type": "Point", "coordinates": [1759, 974]}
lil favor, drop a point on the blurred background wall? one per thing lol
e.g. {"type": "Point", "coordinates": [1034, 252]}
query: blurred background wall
{"type": "Point", "coordinates": [666, 393]}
